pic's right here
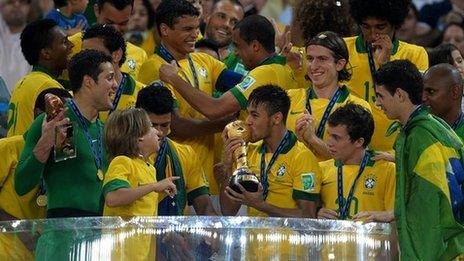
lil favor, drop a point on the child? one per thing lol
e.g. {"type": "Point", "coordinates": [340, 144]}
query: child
{"type": "Point", "coordinates": [68, 15]}
{"type": "Point", "coordinates": [130, 187]}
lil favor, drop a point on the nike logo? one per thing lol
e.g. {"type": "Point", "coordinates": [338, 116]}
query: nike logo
{"type": "Point", "coordinates": [295, 112]}
{"type": "Point", "coordinates": [326, 183]}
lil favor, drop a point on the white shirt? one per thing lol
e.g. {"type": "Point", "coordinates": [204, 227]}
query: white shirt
{"type": "Point", "coordinates": [13, 65]}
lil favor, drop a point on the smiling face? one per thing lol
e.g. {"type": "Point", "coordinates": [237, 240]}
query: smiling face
{"type": "Point", "coordinates": [220, 24]}
{"type": "Point", "coordinates": [110, 15]}
{"type": "Point", "coordinates": [104, 88]}
{"type": "Point", "coordinates": [183, 35]}
{"type": "Point", "coordinates": [149, 143]}
{"type": "Point", "coordinates": [60, 48]}
{"type": "Point", "coordinates": [322, 67]}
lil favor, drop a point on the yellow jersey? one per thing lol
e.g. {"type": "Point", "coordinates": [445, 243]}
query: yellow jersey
{"type": "Point", "coordinates": [294, 175]}
{"type": "Point", "coordinates": [24, 207]}
{"type": "Point", "coordinates": [128, 97]}
{"type": "Point", "coordinates": [299, 98]}
{"type": "Point", "coordinates": [272, 71]}
{"type": "Point", "coordinates": [361, 83]}
{"type": "Point", "coordinates": [125, 172]}
{"type": "Point", "coordinates": [23, 98]}
{"type": "Point", "coordinates": [208, 70]}
{"type": "Point", "coordinates": [182, 161]}
{"type": "Point", "coordinates": [135, 56]}
{"type": "Point", "coordinates": [374, 191]}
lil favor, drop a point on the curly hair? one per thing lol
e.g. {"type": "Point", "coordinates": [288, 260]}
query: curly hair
{"type": "Point", "coordinates": [315, 16]}
{"type": "Point", "coordinates": [393, 11]}
{"type": "Point", "coordinates": [112, 39]}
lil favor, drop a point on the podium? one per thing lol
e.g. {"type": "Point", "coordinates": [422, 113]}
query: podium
{"type": "Point", "coordinates": [195, 238]}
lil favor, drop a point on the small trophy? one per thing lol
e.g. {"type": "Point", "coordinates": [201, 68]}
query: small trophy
{"type": "Point", "coordinates": [243, 174]}
{"type": "Point", "coordinates": [64, 144]}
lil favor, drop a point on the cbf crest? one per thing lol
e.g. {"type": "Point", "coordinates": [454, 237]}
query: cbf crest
{"type": "Point", "coordinates": [281, 171]}
{"type": "Point", "coordinates": [131, 64]}
{"type": "Point", "coordinates": [369, 181]}
{"type": "Point", "coordinates": [202, 71]}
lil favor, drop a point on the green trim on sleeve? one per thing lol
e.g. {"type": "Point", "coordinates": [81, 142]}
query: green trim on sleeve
{"type": "Point", "coordinates": [300, 195]}
{"type": "Point", "coordinates": [192, 195]}
{"type": "Point", "coordinates": [242, 100]}
{"type": "Point", "coordinates": [176, 104]}
{"type": "Point", "coordinates": [114, 185]}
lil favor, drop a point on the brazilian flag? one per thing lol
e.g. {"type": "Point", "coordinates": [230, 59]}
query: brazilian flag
{"type": "Point", "coordinates": [428, 201]}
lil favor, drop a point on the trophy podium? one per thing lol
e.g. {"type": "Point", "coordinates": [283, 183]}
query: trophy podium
{"type": "Point", "coordinates": [242, 174]}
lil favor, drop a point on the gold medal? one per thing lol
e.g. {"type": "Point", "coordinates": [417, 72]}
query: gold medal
{"type": "Point", "coordinates": [42, 200]}
{"type": "Point", "coordinates": [100, 174]}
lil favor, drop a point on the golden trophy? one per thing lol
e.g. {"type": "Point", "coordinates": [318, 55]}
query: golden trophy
{"type": "Point", "coordinates": [242, 174]}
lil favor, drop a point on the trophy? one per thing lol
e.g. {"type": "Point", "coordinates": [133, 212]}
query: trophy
{"type": "Point", "coordinates": [243, 174]}
{"type": "Point", "coordinates": [64, 143]}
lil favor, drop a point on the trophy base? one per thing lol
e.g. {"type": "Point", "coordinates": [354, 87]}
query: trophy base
{"type": "Point", "coordinates": [245, 178]}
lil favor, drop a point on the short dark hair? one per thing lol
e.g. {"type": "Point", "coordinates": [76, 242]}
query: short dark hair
{"type": "Point", "coordinates": [155, 98]}
{"type": "Point", "coordinates": [442, 54]}
{"type": "Point", "coordinates": [40, 100]}
{"type": "Point", "coordinates": [323, 15]}
{"type": "Point", "coordinates": [169, 11]}
{"type": "Point", "coordinates": [393, 11]}
{"type": "Point", "coordinates": [401, 74]}
{"type": "Point", "coordinates": [358, 121]}
{"type": "Point", "coordinates": [273, 97]}
{"type": "Point", "coordinates": [118, 4]}
{"type": "Point", "coordinates": [150, 13]}
{"type": "Point", "coordinates": [234, 2]}
{"type": "Point", "coordinates": [60, 3]}
{"type": "Point", "coordinates": [259, 28]}
{"type": "Point", "coordinates": [112, 38]}
{"type": "Point", "coordinates": [209, 44]}
{"type": "Point", "coordinates": [337, 46]}
{"type": "Point", "coordinates": [36, 36]}
{"type": "Point", "coordinates": [86, 62]}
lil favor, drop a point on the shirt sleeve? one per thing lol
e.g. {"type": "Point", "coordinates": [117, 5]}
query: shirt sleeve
{"type": "Point", "coordinates": [307, 177]}
{"type": "Point", "coordinates": [29, 169]}
{"type": "Point", "coordinates": [390, 187]}
{"type": "Point", "coordinates": [195, 179]}
{"type": "Point", "coordinates": [149, 72]}
{"type": "Point", "coordinates": [117, 175]}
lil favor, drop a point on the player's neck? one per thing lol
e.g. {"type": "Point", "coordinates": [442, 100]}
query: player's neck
{"type": "Point", "coordinates": [407, 110]}
{"type": "Point", "coordinates": [66, 11]}
{"type": "Point", "coordinates": [327, 91]}
{"type": "Point", "coordinates": [274, 139]}
{"type": "Point", "coordinates": [355, 158]}
{"type": "Point", "coordinates": [453, 115]}
{"type": "Point", "coordinates": [117, 74]}
{"type": "Point", "coordinates": [177, 55]}
{"type": "Point", "coordinates": [85, 107]}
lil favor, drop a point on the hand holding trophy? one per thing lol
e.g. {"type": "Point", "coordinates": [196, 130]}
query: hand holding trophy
{"type": "Point", "coordinates": [242, 174]}
{"type": "Point", "coordinates": [64, 147]}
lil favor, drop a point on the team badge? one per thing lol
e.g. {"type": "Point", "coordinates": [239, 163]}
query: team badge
{"type": "Point", "coordinates": [369, 183]}
{"type": "Point", "coordinates": [281, 171]}
{"type": "Point", "coordinates": [308, 181]}
{"type": "Point", "coordinates": [203, 72]}
{"type": "Point", "coordinates": [131, 64]}
{"type": "Point", "coordinates": [247, 82]}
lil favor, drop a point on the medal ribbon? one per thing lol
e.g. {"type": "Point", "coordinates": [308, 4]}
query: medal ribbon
{"type": "Point", "coordinates": [328, 110]}
{"type": "Point", "coordinates": [456, 123]}
{"type": "Point", "coordinates": [167, 56]}
{"type": "Point", "coordinates": [119, 92]}
{"type": "Point", "coordinates": [370, 58]}
{"type": "Point", "coordinates": [97, 150]}
{"type": "Point", "coordinates": [264, 171]}
{"type": "Point", "coordinates": [344, 206]}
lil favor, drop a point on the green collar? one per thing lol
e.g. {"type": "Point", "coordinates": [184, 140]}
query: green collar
{"type": "Point", "coordinates": [274, 59]}
{"type": "Point", "coordinates": [345, 92]}
{"type": "Point", "coordinates": [41, 68]}
{"type": "Point", "coordinates": [289, 146]}
{"type": "Point", "coordinates": [361, 45]}
{"type": "Point", "coordinates": [396, 125]}
{"type": "Point", "coordinates": [370, 162]}
{"type": "Point", "coordinates": [158, 52]}
{"type": "Point", "coordinates": [129, 87]}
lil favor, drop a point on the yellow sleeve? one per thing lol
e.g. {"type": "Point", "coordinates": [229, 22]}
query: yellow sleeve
{"type": "Point", "coordinates": [390, 186]}
{"type": "Point", "coordinates": [215, 68]}
{"type": "Point", "coordinates": [307, 177]}
{"type": "Point", "coordinates": [149, 71]}
{"type": "Point", "coordinates": [10, 149]}
{"type": "Point", "coordinates": [253, 80]}
{"type": "Point", "coordinates": [195, 179]}
{"type": "Point", "coordinates": [117, 175]}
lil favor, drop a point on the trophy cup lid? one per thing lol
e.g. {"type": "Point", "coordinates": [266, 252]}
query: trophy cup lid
{"type": "Point", "coordinates": [53, 105]}
{"type": "Point", "coordinates": [238, 128]}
